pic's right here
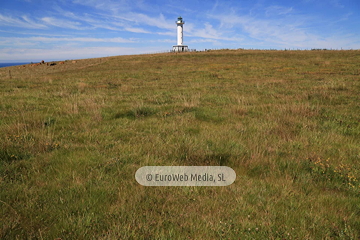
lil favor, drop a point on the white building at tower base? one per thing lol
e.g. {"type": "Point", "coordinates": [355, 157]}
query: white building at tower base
{"type": "Point", "coordinates": [180, 48]}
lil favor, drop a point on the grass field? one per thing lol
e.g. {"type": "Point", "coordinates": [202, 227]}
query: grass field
{"type": "Point", "coordinates": [73, 135]}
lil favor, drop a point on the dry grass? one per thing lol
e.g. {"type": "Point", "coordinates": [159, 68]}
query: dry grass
{"type": "Point", "coordinates": [74, 134]}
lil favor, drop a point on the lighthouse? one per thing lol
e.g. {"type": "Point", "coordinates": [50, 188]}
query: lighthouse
{"type": "Point", "coordinates": [180, 47]}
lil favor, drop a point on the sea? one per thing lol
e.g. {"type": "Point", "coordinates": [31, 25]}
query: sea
{"type": "Point", "coordinates": [12, 64]}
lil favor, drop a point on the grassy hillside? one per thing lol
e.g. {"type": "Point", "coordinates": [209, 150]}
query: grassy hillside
{"type": "Point", "coordinates": [73, 135]}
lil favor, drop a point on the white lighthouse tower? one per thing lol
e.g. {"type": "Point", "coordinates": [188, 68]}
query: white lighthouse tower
{"type": "Point", "coordinates": [180, 47]}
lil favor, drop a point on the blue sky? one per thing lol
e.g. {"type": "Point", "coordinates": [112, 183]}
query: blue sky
{"type": "Point", "coordinates": [35, 30]}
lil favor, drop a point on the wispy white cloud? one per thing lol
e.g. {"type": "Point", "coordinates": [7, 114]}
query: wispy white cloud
{"type": "Point", "coordinates": [336, 3]}
{"type": "Point", "coordinates": [277, 10]}
{"type": "Point", "coordinates": [107, 5]}
{"type": "Point", "coordinates": [139, 18]}
{"type": "Point", "coordinates": [94, 20]}
{"type": "Point", "coordinates": [22, 22]}
{"type": "Point", "coordinates": [62, 53]}
{"type": "Point", "coordinates": [257, 28]}
{"type": "Point", "coordinates": [136, 30]}
{"type": "Point", "coordinates": [108, 27]}
{"type": "Point", "coordinates": [127, 21]}
{"type": "Point", "coordinates": [62, 23]}
{"type": "Point", "coordinates": [35, 33]}
{"type": "Point", "coordinates": [201, 40]}
{"type": "Point", "coordinates": [209, 32]}
{"type": "Point", "coordinates": [9, 40]}
{"type": "Point", "coordinates": [18, 42]}
{"type": "Point", "coordinates": [167, 33]}
{"type": "Point", "coordinates": [283, 32]}
{"type": "Point", "coordinates": [214, 7]}
{"type": "Point", "coordinates": [161, 41]}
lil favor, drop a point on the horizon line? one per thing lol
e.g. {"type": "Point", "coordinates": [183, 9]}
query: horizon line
{"type": "Point", "coordinates": [193, 50]}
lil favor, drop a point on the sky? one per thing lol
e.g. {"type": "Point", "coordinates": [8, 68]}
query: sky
{"type": "Point", "coordinates": [35, 30]}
